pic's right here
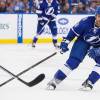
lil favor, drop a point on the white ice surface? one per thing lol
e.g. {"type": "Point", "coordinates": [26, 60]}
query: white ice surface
{"type": "Point", "coordinates": [17, 58]}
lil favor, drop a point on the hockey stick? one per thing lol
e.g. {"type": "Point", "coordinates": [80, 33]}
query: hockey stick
{"type": "Point", "coordinates": [37, 79]}
{"type": "Point", "coordinates": [40, 77]}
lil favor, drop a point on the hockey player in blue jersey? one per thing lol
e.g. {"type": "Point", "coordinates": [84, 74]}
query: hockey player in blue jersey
{"type": "Point", "coordinates": [47, 11]}
{"type": "Point", "coordinates": [87, 32]}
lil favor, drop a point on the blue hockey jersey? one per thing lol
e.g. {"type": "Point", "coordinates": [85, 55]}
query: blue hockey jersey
{"type": "Point", "coordinates": [48, 10]}
{"type": "Point", "coordinates": [86, 30]}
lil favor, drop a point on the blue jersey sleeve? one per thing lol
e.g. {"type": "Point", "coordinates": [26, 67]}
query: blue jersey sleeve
{"type": "Point", "coordinates": [77, 30]}
{"type": "Point", "coordinates": [40, 9]}
{"type": "Point", "coordinates": [71, 35]}
{"type": "Point", "coordinates": [80, 27]}
{"type": "Point", "coordinates": [57, 8]}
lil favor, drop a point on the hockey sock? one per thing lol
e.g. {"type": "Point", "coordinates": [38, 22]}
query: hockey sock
{"type": "Point", "coordinates": [94, 77]}
{"type": "Point", "coordinates": [54, 41]}
{"type": "Point", "coordinates": [35, 39]}
{"type": "Point", "coordinates": [95, 74]}
{"type": "Point", "coordinates": [62, 73]}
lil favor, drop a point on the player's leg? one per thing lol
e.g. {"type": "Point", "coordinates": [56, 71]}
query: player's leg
{"type": "Point", "coordinates": [53, 28]}
{"type": "Point", "coordinates": [39, 31]}
{"type": "Point", "coordinates": [92, 78]}
{"type": "Point", "coordinates": [78, 52]}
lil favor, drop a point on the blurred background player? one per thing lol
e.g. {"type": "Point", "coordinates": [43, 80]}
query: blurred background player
{"type": "Point", "coordinates": [87, 32]}
{"type": "Point", "coordinates": [47, 11]}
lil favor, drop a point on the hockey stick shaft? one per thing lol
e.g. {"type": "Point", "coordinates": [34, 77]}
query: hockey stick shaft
{"type": "Point", "coordinates": [14, 75]}
{"type": "Point", "coordinates": [29, 68]}
{"type": "Point", "coordinates": [44, 26]}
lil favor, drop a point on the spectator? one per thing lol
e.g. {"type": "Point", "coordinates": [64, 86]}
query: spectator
{"type": "Point", "coordinates": [9, 5]}
{"type": "Point", "coordinates": [74, 10]}
{"type": "Point", "coordinates": [19, 6]}
{"type": "Point", "coordinates": [85, 2]}
{"type": "Point", "coordinates": [66, 8]}
{"type": "Point", "coordinates": [81, 8]}
{"type": "Point", "coordinates": [26, 4]}
{"type": "Point", "coordinates": [3, 7]}
{"type": "Point", "coordinates": [92, 8]}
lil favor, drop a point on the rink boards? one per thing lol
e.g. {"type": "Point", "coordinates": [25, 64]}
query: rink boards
{"type": "Point", "coordinates": [21, 28]}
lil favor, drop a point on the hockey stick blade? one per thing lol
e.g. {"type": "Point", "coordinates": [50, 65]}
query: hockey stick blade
{"type": "Point", "coordinates": [28, 69]}
{"type": "Point", "coordinates": [37, 80]}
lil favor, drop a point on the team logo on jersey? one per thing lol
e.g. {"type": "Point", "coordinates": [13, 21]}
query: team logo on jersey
{"type": "Point", "coordinates": [92, 36]}
{"type": "Point", "coordinates": [49, 11]}
{"type": "Point", "coordinates": [63, 21]}
{"type": "Point", "coordinates": [92, 39]}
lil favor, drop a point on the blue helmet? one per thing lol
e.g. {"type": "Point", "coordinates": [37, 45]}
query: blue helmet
{"type": "Point", "coordinates": [97, 11]}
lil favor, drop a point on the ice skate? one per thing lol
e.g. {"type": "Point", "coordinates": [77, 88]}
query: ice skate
{"type": "Point", "coordinates": [52, 84]}
{"type": "Point", "coordinates": [87, 86]}
{"type": "Point", "coordinates": [33, 45]}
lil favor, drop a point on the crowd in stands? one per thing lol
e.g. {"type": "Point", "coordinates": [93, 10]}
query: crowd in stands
{"type": "Point", "coordinates": [14, 6]}
{"type": "Point", "coordinates": [79, 6]}
{"type": "Point", "coordinates": [67, 6]}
